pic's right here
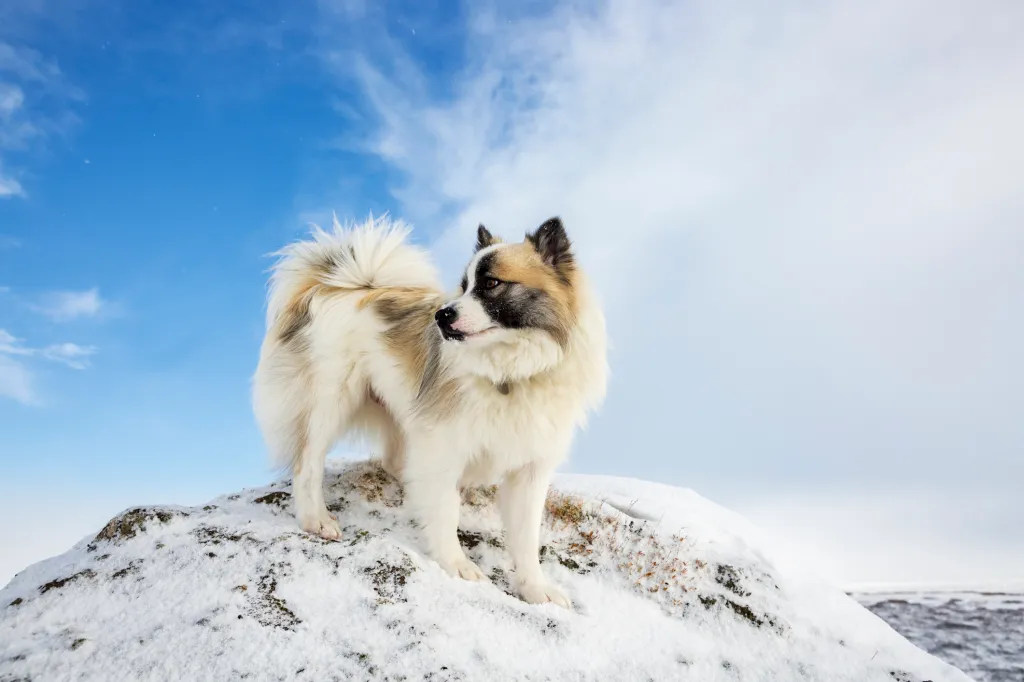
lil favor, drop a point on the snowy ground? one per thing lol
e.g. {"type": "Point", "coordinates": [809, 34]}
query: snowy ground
{"type": "Point", "coordinates": [665, 586]}
{"type": "Point", "coordinates": [980, 633]}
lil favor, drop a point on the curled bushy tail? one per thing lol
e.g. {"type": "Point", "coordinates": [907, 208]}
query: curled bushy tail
{"type": "Point", "coordinates": [372, 255]}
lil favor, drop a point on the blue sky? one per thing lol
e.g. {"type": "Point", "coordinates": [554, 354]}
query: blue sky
{"type": "Point", "coordinates": [805, 224]}
{"type": "Point", "coordinates": [184, 147]}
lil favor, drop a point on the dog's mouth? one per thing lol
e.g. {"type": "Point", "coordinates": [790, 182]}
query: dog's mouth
{"type": "Point", "coordinates": [449, 334]}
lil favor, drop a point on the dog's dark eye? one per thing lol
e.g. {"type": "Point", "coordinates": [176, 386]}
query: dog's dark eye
{"type": "Point", "coordinates": [490, 283]}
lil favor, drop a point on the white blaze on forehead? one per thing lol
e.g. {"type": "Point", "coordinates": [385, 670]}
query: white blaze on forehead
{"type": "Point", "coordinates": [474, 262]}
{"type": "Point", "coordinates": [472, 316]}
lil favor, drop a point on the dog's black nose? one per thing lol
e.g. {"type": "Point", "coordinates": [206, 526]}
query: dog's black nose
{"type": "Point", "coordinates": [445, 316]}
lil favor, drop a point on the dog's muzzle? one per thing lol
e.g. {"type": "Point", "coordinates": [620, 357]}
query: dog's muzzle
{"type": "Point", "coordinates": [445, 318]}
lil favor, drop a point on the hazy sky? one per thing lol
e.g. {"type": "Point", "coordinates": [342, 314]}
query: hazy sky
{"type": "Point", "coordinates": [806, 221]}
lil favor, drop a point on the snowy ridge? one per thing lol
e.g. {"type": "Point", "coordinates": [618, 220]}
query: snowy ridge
{"type": "Point", "coordinates": [665, 585]}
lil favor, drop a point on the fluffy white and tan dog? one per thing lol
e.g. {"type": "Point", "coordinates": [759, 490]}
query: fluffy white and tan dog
{"type": "Point", "coordinates": [486, 386]}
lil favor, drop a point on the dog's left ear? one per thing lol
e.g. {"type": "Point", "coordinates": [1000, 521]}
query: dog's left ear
{"type": "Point", "coordinates": [484, 238]}
{"type": "Point", "coordinates": [553, 245]}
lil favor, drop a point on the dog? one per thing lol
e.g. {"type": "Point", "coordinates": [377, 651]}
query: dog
{"type": "Point", "coordinates": [485, 386]}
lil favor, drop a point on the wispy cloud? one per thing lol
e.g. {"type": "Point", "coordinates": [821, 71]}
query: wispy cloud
{"type": "Point", "coordinates": [34, 98]}
{"type": "Point", "coordinates": [16, 381]}
{"type": "Point", "coordinates": [63, 306]}
{"type": "Point", "coordinates": [70, 354]}
{"type": "Point", "coordinates": [16, 378]}
{"type": "Point", "coordinates": [8, 242]}
{"type": "Point", "coordinates": [9, 187]}
{"type": "Point", "coordinates": [804, 220]}
{"type": "Point", "coordinates": [11, 99]}
{"type": "Point", "coordinates": [815, 198]}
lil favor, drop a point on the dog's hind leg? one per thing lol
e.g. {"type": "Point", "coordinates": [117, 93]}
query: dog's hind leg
{"type": "Point", "coordinates": [375, 419]}
{"type": "Point", "coordinates": [322, 428]}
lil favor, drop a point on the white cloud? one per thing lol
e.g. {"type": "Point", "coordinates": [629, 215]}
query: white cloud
{"type": "Point", "coordinates": [11, 99]}
{"type": "Point", "coordinates": [70, 354]}
{"type": "Point", "coordinates": [33, 108]}
{"type": "Point", "coordinates": [16, 379]}
{"type": "Point", "coordinates": [804, 220]}
{"type": "Point", "coordinates": [26, 64]}
{"type": "Point", "coordinates": [63, 306]}
{"type": "Point", "coordinates": [9, 187]}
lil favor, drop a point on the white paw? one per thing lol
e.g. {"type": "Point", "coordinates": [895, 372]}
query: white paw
{"type": "Point", "coordinates": [322, 524]}
{"type": "Point", "coordinates": [462, 568]}
{"type": "Point", "coordinates": [540, 593]}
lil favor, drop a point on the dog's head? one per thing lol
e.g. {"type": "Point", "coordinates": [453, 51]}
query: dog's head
{"type": "Point", "coordinates": [515, 294]}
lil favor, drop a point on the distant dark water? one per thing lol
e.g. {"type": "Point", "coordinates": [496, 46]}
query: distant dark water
{"type": "Point", "coordinates": [980, 633]}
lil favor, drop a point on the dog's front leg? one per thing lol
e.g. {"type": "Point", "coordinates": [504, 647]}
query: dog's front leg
{"type": "Point", "coordinates": [432, 496]}
{"type": "Point", "coordinates": [521, 503]}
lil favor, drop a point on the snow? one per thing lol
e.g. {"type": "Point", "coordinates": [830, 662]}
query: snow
{"type": "Point", "coordinates": [665, 585]}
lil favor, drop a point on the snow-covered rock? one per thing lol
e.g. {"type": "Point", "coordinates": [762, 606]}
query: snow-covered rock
{"type": "Point", "coordinates": [665, 585]}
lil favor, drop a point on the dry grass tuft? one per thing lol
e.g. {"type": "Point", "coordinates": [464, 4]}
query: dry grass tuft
{"type": "Point", "coordinates": [657, 567]}
{"type": "Point", "coordinates": [480, 496]}
{"type": "Point", "coordinates": [375, 485]}
{"type": "Point", "coordinates": [566, 509]}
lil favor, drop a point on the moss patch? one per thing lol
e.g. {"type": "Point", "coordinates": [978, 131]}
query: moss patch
{"type": "Point", "coordinates": [338, 505]}
{"type": "Point", "coordinates": [133, 522]}
{"type": "Point", "coordinates": [267, 608]}
{"type": "Point", "coordinates": [132, 567]}
{"type": "Point", "coordinates": [277, 499]}
{"type": "Point", "coordinates": [389, 580]}
{"type": "Point", "coordinates": [729, 578]}
{"type": "Point", "coordinates": [744, 612]}
{"type": "Point", "coordinates": [470, 540]}
{"type": "Point", "coordinates": [364, 660]}
{"type": "Point", "coordinates": [57, 584]}
{"type": "Point", "coordinates": [361, 535]}
{"type": "Point", "coordinates": [741, 610]}
{"type": "Point", "coordinates": [214, 535]}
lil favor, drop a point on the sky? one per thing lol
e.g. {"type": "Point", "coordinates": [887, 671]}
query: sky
{"type": "Point", "coordinates": [805, 221]}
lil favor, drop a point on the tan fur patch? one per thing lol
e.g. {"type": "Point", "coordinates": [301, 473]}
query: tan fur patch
{"type": "Point", "coordinates": [399, 296]}
{"type": "Point", "coordinates": [295, 316]}
{"type": "Point", "coordinates": [521, 263]}
{"type": "Point", "coordinates": [413, 340]}
{"type": "Point", "coordinates": [406, 313]}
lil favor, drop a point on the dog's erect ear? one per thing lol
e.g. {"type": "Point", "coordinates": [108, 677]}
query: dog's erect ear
{"type": "Point", "coordinates": [484, 238]}
{"type": "Point", "coordinates": [553, 245]}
